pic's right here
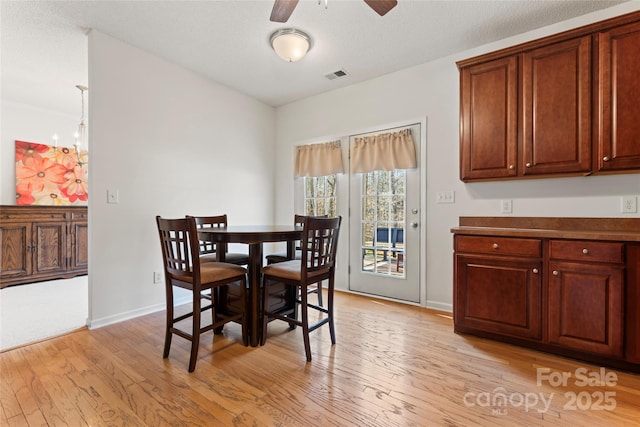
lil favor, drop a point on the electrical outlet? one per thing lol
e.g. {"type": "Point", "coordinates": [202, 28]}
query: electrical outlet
{"type": "Point", "coordinates": [506, 206]}
{"type": "Point", "coordinates": [446, 197]}
{"type": "Point", "coordinates": [629, 204]}
{"type": "Point", "coordinates": [157, 277]}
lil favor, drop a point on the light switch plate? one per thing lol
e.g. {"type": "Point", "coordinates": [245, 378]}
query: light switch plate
{"type": "Point", "coordinates": [506, 206]}
{"type": "Point", "coordinates": [446, 197]}
{"type": "Point", "coordinates": [112, 197]}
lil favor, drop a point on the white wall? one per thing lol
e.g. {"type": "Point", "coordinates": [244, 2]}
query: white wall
{"type": "Point", "coordinates": [431, 91]}
{"type": "Point", "coordinates": [28, 123]}
{"type": "Point", "coordinates": [171, 143]}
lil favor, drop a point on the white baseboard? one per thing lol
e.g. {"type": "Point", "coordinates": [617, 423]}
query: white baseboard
{"type": "Point", "coordinates": [128, 315]}
{"type": "Point", "coordinates": [441, 306]}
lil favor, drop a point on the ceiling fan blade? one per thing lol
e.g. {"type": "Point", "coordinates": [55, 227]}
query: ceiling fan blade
{"type": "Point", "coordinates": [282, 10]}
{"type": "Point", "coordinates": [381, 6]}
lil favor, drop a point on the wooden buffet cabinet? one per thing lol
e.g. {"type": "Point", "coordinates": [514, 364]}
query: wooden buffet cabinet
{"type": "Point", "coordinates": [42, 243]}
{"type": "Point", "coordinates": [563, 105]}
{"type": "Point", "coordinates": [569, 286]}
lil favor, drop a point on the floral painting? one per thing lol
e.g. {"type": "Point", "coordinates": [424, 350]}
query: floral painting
{"type": "Point", "coordinates": [50, 175]}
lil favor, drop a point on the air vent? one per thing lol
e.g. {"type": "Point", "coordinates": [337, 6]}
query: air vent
{"type": "Point", "coordinates": [336, 74]}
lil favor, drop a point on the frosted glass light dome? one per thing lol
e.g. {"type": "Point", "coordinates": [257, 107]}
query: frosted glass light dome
{"type": "Point", "coordinates": [290, 44]}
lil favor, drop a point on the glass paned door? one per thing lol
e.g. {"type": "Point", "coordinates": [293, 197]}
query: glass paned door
{"type": "Point", "coordinates": [384, 241]}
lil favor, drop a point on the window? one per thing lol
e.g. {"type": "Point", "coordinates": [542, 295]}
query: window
{"type": "Point", "coordinates": [320, 195]}
{"type": "Point", "coordinates": [383, 218]}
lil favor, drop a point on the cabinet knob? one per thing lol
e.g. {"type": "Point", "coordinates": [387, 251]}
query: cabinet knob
{"type": "Point", "coordinates": [512, 167]}
{"type": "Point", "coordinates": [555, 272]}
{"type": "Point", "coordinates": [495, 246]}
{"type": "Point", "coordinates": [605, 159]}
{"type": "Point", "coordinates": [528, 164]}
{"type": "Point", "coordinates": [585, 251]}
{"type": "Point", "coordinates": [535, 271]}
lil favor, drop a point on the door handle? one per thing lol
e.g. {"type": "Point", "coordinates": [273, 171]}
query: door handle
{"type": "Point", "coordinates": [414, 225]}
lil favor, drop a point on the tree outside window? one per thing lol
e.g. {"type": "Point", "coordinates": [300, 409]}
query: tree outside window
{"type": "Point", "coordinates": [320, 195]}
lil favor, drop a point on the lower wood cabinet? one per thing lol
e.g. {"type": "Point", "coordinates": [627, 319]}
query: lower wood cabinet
{"type": "Point", "coordinates": [586, 294]}
{"type": "Point", "coordinates": [42, 243]}
{"type": "Point", "coordinates": [586, 307]}
{"type": "Point", "coordinates": [498, 295]}
{"type": "Point", "coordinates": [558, 292]}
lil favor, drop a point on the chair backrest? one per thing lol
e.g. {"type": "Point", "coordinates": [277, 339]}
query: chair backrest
{"type": "Point", "coordinates": [319, 244]}
{"type": "Point", "coordinates": [298, 221]}
{"type": "Point", "coordinates": [210, 222]}
{"type": "Point", "coordinates": [178, 238]}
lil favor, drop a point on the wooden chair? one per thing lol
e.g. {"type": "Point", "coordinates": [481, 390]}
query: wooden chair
{"type": "Point", "coordinates": [298, 221]}
{"type": "Point", "coordinates": [318, 246]}
{"type": "Point", "coordinates": [208, 249]}
{"type": "Point", "coordinates": [182, 268]}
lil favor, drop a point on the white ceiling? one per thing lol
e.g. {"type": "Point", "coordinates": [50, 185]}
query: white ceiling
{"type": "Point", "coordinates": [44, 44]}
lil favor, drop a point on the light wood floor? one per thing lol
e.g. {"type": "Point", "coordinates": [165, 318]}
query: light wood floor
{"type": "Point", "coordinates": [393, 365]}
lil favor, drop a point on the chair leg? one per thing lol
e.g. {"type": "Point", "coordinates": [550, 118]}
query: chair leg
{"type": "Point", "coordinates": [195, 331]}
{"type": "Point", "coordinates": [245, 335]}
{"type": "Point", "coordinates": [332, 330]}
{"type": "Point", "coordinates": [169, 323]}
{"type": "Point", "coordinates": [265, 307]}
{"type": "Point", "coordinates": [319, 292]}
{"type": "Point", "coordinates": [305, 323]}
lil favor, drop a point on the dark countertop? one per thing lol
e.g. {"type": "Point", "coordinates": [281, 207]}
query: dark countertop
{"type": "Point", "coordinates": [615, 229]}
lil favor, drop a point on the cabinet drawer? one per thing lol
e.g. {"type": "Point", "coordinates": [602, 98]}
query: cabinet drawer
{"type": "Point", "coordinates": [48, 216]}
{"type": "Point", "coordinates": [586, 251]}
{"type": "Point", "coordinates": [499, 245]}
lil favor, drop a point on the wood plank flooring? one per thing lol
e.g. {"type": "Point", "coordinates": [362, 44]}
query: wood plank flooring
{"type": "Point", "coordinates": [393, 365]}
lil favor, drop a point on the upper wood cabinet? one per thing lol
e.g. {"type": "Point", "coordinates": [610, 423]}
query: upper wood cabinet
{"type": "Point", "coordinates": [619, 94]}
{"type": "Point", "coordinates": [556, 106]}
{"type": "Point", "coordinates": [489, 119]}
{"type": "Point", "coordinates": [564, 105]}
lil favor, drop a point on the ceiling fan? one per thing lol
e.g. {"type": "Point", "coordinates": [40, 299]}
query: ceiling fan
{"type": "Point", "coordinates": [282, 9]}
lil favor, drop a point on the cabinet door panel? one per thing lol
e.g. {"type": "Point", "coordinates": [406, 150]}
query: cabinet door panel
{"type": "Point", "coordinates": [556, 83]}
{"type": "Point", "coordinates": [489, 119]}
{"type": "Point", "coordinates": [619, 109]}
{"type": "Point", "coordinates": [79, 246]}
{"type": "Point", "coordinates": [498, 295]}
{"type": "Point", "coordinates": [586, 307]}
{"type": "Point", "coordinates": [50, 247]}
{"type": "Point", "coordinates": [16, 250]}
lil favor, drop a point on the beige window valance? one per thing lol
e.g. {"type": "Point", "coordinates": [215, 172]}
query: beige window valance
{"type": "Point", "coordinates": [384, 151]}
{"type": "Point", "coordinates": [318, 159]}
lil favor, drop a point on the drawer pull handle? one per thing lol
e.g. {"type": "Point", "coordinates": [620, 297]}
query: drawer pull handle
{"type": "Point", "coordinates": [528, 164]}
{"type": "Point", "coordinates": [535, 271]}
{"type": "Point", "coordinates": [495, 246]}
{"type": "Point", "coordinates": [555, 272]}
{"type": "Point", "coordinates": [605, 159]}
{"type": "Point", "coordinates": [512, 167]}
{"type": "Point", "coordinates": [585, 251]}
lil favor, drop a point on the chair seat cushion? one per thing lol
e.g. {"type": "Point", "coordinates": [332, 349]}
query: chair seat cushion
{"type": "Point", "coordinates": [215, 271]}
{"type": "Point", "coordinates": [229, 257]}
{"type": "Point", "coordinates": [288, 270]}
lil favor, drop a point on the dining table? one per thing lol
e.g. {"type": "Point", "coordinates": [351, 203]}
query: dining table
{"type": "Point", "coordinates": [254, 236]}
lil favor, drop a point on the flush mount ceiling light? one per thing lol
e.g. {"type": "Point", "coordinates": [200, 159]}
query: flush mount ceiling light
{"type": "Point", "coordinates": [290, 44]}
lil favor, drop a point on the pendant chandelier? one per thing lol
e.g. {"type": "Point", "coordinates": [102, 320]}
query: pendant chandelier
{"type": "Point", "coordinates": [80, 136]}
